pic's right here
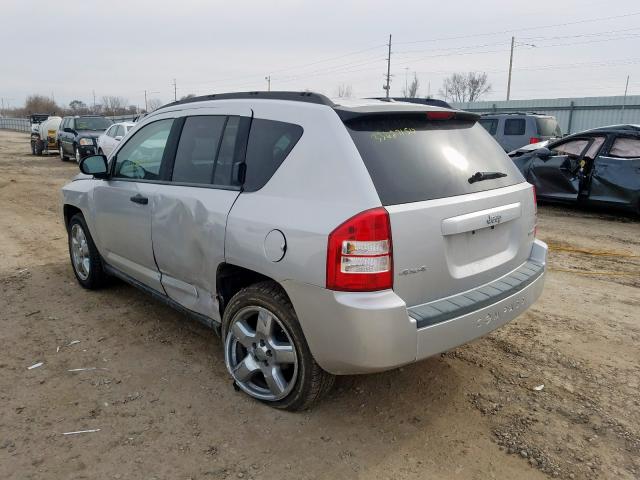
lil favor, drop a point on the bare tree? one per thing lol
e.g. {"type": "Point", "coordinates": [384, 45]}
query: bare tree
{"type": "Point", "coordinates": [344, 91]}
{"type": "Point", "coordinates": [186, 97]}
{"type": "Point", "coordinates": [40, 104]}
{"type": "Point", "coordinates": [78, 107]}
{"type": "Point", "coordinates": [153, 104]}
{"type": "Point", "coordinates": [465, 87]}
{"type": "Point", "coordinates": [114, 105]}
{"type": "Point", "coordinates": [412, 89]}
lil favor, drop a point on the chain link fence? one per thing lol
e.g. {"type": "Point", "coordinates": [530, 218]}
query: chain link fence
{"type": "Point", "coordinates": [18, 124]}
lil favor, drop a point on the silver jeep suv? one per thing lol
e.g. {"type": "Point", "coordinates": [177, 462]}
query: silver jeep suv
{"type": "Point", "coordinates": [317, 238]}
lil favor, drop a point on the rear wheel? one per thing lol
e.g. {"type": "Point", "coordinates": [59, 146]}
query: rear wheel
{"type": "Point", "coordinates": [266, 352]}
{"type": "Point", "coordinates": [63, 157]}
{"type": "Point", "coordinates": [85, 259]}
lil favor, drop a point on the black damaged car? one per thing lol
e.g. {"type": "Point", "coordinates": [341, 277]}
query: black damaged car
{"type": "Point", "coordinates": [598, 167]}
{"type": "Point", "coordinates": [78, 135]}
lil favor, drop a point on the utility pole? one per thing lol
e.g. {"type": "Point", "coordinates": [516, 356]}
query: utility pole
{"type": "Point", "coordinates": [387, 87]}
{"type": "Point", "coordinates": [146, 109]}
{"type": "Point", "coordinates": [513, 41]}
{"type": "Point", "coordinates": [624, 99]}
{"type": "Point", "coordinates": [268, 79]}
{"type": "Point", "coordinates": [94, 101]}
{"type": "Point", "coordinates": [175, 91]}
{"type": "Point", "coordinates": [406, 84]}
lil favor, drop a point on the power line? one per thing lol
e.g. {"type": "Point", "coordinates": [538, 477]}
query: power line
{"type": "Point", "coordinates": [523, 29]}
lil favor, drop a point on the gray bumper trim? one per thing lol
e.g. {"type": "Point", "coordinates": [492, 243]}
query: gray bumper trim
{"type": "Point", "coordinates": [442, 310]}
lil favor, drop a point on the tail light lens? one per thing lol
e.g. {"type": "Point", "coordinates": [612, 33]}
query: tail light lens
{"type": "Point", "coordinates": [359, 253]}
{"type": "Point", "coordinates": [534, 140]}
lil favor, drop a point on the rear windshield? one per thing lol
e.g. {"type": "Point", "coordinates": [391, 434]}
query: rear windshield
{"type": "Point", "coordinates": [548, 127]}
{"type": "Point", "coordinates": [411, 159]}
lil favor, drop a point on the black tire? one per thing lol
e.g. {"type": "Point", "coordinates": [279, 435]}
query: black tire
{"type": "Point", "coordinates": [38, 149]}
{"type": "Point", "coordinates": [63, 157]}
{"type": "Point", "coordinates": [33, 147]}
{"type": "Point", "coordinates": [312, 382]}
{"type": "Point", "coordinates": [96, 277]}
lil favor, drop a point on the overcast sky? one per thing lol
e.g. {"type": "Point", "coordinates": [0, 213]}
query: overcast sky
{"type": "Point", "coordinates": [71, 48]}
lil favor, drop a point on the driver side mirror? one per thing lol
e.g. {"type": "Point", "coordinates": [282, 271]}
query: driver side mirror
{"type": "Point", "coordinates": [69, 130]}
{"type": "Point", "coordinates": [95, 165]}
{"type": "Point", "coordinates": [544, 153]}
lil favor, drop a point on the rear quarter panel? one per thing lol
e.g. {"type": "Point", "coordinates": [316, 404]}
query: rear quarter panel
{"type": "Point", "coordinates": [320, 184]}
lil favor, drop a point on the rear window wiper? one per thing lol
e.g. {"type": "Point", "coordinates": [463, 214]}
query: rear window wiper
{"type": "Point", "coordinates": [479, 176]}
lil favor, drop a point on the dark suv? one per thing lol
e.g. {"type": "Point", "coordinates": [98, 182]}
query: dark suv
{"type": "Point", "coordinates": [78, 135]}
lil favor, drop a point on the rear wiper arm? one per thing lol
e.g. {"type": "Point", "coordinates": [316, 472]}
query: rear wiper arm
{"type": "Point", "coordinates": [479, 176]}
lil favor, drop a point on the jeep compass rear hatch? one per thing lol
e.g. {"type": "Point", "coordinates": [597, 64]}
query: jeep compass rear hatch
{"type": "Point", "coordinates": [461, 215]}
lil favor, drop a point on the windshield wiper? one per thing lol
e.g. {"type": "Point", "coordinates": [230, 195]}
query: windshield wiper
{"type": "Point", "coordinates": [479, 176]}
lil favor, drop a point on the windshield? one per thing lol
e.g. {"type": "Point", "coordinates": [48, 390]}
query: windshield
{"type": "Point", "coordinates": [92, 123]}
{"type": "Point", "coordinates": [411, 159]}
{"type": "Point", "coordinates": [548, 127]}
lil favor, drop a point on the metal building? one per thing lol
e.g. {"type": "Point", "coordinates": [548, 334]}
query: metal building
{"type": "Point", "coordinates": [573, 114]}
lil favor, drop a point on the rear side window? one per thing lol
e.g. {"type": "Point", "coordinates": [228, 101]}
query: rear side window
{"type": "Point", "coordinates": [489, 124]}
{"type": "Point", "coordinates": [625, 148]}
{"type": "Point", "coordinates": [411, 159]}
{"type": "Point", "coordinates": [269, 144]}
{"type": "Point", "coordinates": [198, 149]}
{"type": "Point", "coordinates": [548, 127]}
{"type": "Point", "coordinates": [514, 126]}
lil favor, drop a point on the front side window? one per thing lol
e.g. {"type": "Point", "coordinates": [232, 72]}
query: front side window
{"type": "Point", "coordinates": [548, 127]}
{"type": "Point", "coordinates": [269, 144]}
{"type": "Point", "coordinates": [120, 131]}
{"type": "Point", "coordinates": [514, 126]}
{"type": "Point", "coordinates": [198, 149]}
{"type": "Point", "coordinates": [111, 131]}
{"type": "Point", "coordinates": [489, 124]}
{"type": "Point", "coordinates": [572, 148]}
{"type": "Point", "coordinates": [141, 157]}
{"type": "Point", "coordinates": [624, 147]}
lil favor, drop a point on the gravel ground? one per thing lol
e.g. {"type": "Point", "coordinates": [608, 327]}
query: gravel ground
{"type": "Point", "coordinates": [163, 406]}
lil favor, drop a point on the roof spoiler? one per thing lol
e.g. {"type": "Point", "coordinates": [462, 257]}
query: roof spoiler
{"type": "Point", "coordinates": [436, 114]}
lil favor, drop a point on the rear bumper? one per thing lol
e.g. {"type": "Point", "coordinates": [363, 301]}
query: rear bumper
{"type": "Point", "coordinates": [351, 333]}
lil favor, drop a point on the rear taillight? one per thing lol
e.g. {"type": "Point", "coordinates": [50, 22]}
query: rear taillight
{"type": "Point", "coordinates": [359, 253]}
{"type": "Point", "coordinates": [534, 140]}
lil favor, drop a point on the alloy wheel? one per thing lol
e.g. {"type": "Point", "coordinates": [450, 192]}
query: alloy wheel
{"type": "Point", "coordinates": [77, 152]}
{"type": "Point", "coordinates": [260, 354]}
{"type": "Point", "coordinates": [80, 252]}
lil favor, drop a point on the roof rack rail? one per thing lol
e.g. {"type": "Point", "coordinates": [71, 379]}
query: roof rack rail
{"type": "Point", "coordinates": [307, 97]}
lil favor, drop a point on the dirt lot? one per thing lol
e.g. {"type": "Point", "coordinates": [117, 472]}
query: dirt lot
{"type": "Point", "coordinates": [165, 408]}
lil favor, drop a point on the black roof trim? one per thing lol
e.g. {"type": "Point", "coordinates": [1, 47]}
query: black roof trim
{"type": "Point", "coordinates": [306, 97]}
{"type": "Point", "coordinates": [495, 114]}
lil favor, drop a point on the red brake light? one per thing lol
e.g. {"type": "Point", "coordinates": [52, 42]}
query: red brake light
{"type": "Point", "coordinates": [440, 115]}
{"type": "Point", "coordinates": [359, 254]}
{"type": "Point", "coordinates": [534, 140]}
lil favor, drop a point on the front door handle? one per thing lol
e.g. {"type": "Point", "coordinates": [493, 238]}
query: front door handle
{"type": "Point", "coordinates": [139, 199]}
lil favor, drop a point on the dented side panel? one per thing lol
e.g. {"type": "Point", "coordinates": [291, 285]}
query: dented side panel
{"type": "Point", "coordinates": [616, 181]}
{"type": "Point", "coordinates": [188, 231]}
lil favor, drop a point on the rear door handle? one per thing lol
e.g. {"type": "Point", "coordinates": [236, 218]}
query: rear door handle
{"type": "Point", "coordinates": [139, 199]}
